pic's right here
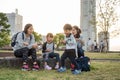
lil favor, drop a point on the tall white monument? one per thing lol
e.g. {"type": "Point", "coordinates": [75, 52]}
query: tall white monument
{"type": "Point", "coordinates": [88, 14]}
{"type": "Point", "coordinates": [15, 20]}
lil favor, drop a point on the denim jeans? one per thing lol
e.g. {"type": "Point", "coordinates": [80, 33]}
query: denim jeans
{"type": "Point", "coordinates": [80, 52]}
{"type": "Point", "coordinates": [51, 55]}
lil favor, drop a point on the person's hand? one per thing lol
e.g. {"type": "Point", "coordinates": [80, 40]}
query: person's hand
{"type": "Point", "coordinates": [77, 39]}
{"type": "Point", "coordinates": [63, 41]}
{"type": "Point", "coordinates": [34, 46]}
{"type": "Point", "coordinates": [25, 43]}
{"type": "Point", "coordinates": [48, 50]}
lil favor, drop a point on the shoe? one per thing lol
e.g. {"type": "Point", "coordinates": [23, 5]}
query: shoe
{"type": "Point", "coordinates": [61, 69]}
{"type": "Point", "coordinates": [72, 67]}
{"type": "Point", "coordinates": [57, 66]}
{"type": "Point", "coordinates": [25, 67]}
{"type": "Point", "coordinates": [48, 67]}
{"type": "Point", "coordinates": [76, 72]}
{"type": "Point", "coordinates": [35, 67]}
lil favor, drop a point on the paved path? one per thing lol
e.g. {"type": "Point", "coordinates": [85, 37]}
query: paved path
{"type": "Point", "coordinates": [98, 59]}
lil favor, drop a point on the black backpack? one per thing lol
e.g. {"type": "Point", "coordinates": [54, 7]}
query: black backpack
{"type": "Point", "coordinates": [14, 37]}
{"type": "Point", "coordinates": [84, 63]}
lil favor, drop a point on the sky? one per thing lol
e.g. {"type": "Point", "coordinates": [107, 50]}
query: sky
{"type": "Point", "coordinates": [45, 15]}
{"type": "Point", "coordinates": [50, 15]}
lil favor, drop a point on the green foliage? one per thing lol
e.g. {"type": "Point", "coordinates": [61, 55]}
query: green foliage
{"type": "Point", "coordinates": [57, 39]}
{"type": "Point", "coordinates": [106, 17]}
{"type": "Point", "coordinates": [38, 37]}
{"type": "Point", "coordinates": [4, 30]}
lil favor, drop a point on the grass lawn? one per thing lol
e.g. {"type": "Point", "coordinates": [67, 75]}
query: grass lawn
{"type": "Point", "coordinates": [103, 55]}
{"type": "Point", "coordinates": [6, 51]}
{"type": "Point", "coordinates": [99, 71]}
{"type": "Point", "coordinates": [100, 55]}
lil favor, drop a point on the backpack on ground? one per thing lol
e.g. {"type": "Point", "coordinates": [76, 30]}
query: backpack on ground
{"type": "Point", "coordinates": [14, 37]}
{"type": "Point", "coordinates": [84, 63]}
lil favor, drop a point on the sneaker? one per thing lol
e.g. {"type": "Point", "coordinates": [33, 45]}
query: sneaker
{"type": "Point", "coordinates": [76, 72]}
{"type": "Point", "coordinates": [72, 67]}
{"type": "Point", "coordinates": [57, 66]}
{"type": "Point", "coordinates": [35, 67]}
{"type": "Point", "coordinates": [61, 69]}
{"type": "Point", "coordinates": [48, 67]}
{"type": "Point", "coordinates": [25, 67]}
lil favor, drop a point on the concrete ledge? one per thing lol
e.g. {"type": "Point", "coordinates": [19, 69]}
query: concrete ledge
{"type": "Point", "coordinates": [17, 62]}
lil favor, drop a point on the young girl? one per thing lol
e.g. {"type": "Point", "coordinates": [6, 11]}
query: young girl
{"type": "Point", "coordinates": [48, 52]}
{"type": "Point", "coordinates": [79, 39]}
{"type": "Point", "coordinates": [26, 46]}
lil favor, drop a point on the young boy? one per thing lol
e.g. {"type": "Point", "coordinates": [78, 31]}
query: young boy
{"type": "Point", "coordinates": [48, 52]}
{"type": "Point", "coordinates": [70, 51]}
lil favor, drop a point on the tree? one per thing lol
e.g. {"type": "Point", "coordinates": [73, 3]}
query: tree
{"type": "Point", "coordinates": [4, 30]}
{"type": "Point", "coordinates": [57, 39]}
{"type": "Point", "coordinates": [106, 17]}
{"type": "Point", "coordinates": [38, 37]}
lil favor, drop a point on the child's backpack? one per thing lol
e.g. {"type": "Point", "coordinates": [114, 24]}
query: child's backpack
{"type": "Point", "coordinates": [14, 37]}
{"type": "Point", "coordinates": [84, 63]}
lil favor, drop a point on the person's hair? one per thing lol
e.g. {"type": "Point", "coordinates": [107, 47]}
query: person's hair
{"type": "Point", "coordinates": [27, 26]}
{"type": "Point", "coordinates": [78, 31]}
{"type": "Point", "coordinates": [67, 27]}
{"type": "Point", "coordinates": [49, 35]}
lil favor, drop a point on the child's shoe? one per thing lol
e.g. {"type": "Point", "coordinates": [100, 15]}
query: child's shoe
{"type": "Point", "coordinates": [61, 69]}
{"type": "Point", "coordinates": [57, 66]}
{"type": "Point", "coordinates": [76, 71]}
{"type": "Point", "coordinates": [48, 67]}
{"type": "Point", "coordinates": [72, 67]}
{"type": "Point", "coordinates": [25, 67]}
{"type": "Point", "coordinates": [35, 67]}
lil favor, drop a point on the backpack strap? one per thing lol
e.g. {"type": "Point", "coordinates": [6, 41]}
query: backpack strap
{"type": "Point", "coordinates": [44, 47]}
{"type": "Point", "coordinates": [30, 37]}
{"type": "Point", "coordinates": [53, 46]}
{"type": "Point", "coordinates": [23, 35]}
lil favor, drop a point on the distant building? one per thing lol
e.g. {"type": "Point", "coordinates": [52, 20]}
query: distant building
{"type": "Point", "coordinates": [43, 38]}
{"type": "Point", "coordinates": [16, 21]}
{"type": "Point", "coordinates": [101, 37]}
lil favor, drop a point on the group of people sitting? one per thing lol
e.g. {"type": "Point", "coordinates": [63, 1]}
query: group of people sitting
{"type": "Point", "coordinates": [27, 47]}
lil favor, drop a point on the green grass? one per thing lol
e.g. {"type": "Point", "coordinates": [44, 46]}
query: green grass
{"type": "Point", "coordinates": [99, 71]}
{"type": "Point", "coordinates": [99, 55]}
{"type": "Point", "coordinates": [6, 50]}
{"type": "Point", "coordinates": [103, 55]}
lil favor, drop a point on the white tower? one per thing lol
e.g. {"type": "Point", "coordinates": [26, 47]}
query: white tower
{"type": "Point", "coordinates": [88, 14]}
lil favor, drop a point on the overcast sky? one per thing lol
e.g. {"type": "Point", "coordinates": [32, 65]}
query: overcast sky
{"type": "Point", "coordinates": [49, 15]}
{"type": "Point", "coordinates": [45, 15]}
